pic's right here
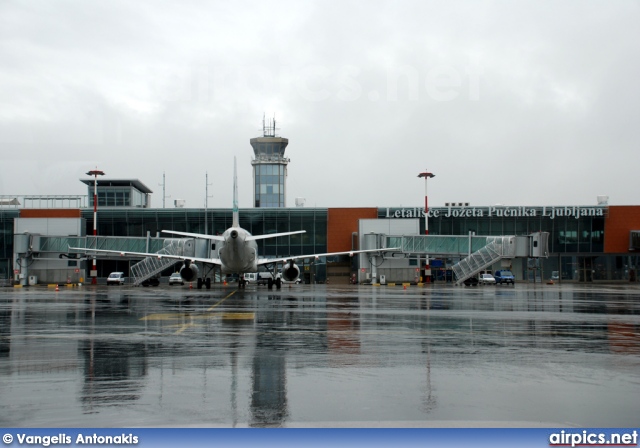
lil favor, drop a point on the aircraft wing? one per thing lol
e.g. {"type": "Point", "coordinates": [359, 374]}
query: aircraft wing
{"type": "Point", "coordinates": [148, 254]}
{"type": "Point", "coordinates": [262, 261]}
{"type": "Point", "coordinates": [273, 235]}
{"type": "Point", "coordinates": [195, 235]}
{"type": "Point", "coordinates": [221, 238]}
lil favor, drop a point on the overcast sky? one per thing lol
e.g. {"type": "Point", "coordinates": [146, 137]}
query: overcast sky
{"type": "Point", "coordinates": [510, 102]}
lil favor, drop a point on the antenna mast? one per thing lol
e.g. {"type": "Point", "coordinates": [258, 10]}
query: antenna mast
{"type": "Point", "coordinates": [163, 184]}
{"type": "Point", "coordinates": [206, 202]}
{"type": "Point", "coordinates": [269, 127]}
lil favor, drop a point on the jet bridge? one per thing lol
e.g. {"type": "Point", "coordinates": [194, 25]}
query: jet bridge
{"type": "Point", "coordinates": [482, 251]}
{"type": "Point", "coordinates": [48, 257]}
{"type": "Point", "coordinates": [148, 268]}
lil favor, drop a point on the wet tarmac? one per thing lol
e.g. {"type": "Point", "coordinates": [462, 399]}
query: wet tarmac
{"type": "Point", "coordinates": [320, 355]}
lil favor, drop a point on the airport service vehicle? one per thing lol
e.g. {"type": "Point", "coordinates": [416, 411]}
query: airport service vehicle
{"type": "Point", "coordinates": [153, 281]}
{"type": "Point", "coordinates": [296, 281]}
{"type": "Point", "coordinates": [116, 278]}
{"type": "Point", "coordinates": [251, 277]}
{"type": "Point", "coordinates": [264, 278]}
{"type": "Point", "coordinates": [471, 281]}
{"type": "Point", "coordinates": [504, 276]}
{"type": "Point", "coordinates": [486, 279]}
{"type": "Point", "coordinates": [176, 279]}
{"type": "Point", "coordinates": [238, 254]}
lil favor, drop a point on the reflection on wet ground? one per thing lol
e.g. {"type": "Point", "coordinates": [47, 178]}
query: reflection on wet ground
{"type": "Point", "coordinates": [321, 356]}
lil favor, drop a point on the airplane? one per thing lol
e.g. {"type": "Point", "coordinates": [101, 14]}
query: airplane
{"type": "Point", "coordinates": [238, 254]}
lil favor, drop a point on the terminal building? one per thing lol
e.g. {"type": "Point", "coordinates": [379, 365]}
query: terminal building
{"type": "Point", "coordinates": [586, 243]}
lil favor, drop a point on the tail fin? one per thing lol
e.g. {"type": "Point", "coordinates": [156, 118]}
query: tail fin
{"type": "Point", "coordinates": [236, 214]}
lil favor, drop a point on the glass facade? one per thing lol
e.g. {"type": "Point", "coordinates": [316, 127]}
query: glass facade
{"type": "Point", "coordinates": [137, 222]}
{"type": "Point", "coordinates": [269, 185]}
{"type": "Point", "coordinates": [269, 169]}
{"type": "Point", "coordinates": [119, 193]}
{"type": "Point", "coordinates": [568, 234]}
{"type": "Point", "coordinates": [6, 243]}
{"type": "Point", "coordinates": [576, 242]}
{"type": "Point", "coordinates": [119, 197]}
{"type": "Point", "coordinates": [576, 237]}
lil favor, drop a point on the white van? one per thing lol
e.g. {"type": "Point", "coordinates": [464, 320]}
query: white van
{"type": "Point", "coordinates": [251, 277]}
{"type": "Point", "coordinates": [116, 278]}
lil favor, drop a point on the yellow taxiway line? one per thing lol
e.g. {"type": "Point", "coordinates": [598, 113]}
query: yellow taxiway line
{"type": "Point", "coordinates": [206, 315]}
{"type": "Point", "coordinates": [217, 304]}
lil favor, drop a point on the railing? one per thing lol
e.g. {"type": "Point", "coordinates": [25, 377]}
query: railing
{"type": "Point", "coordinates": [145, 269]}
{"type": "Point", "coordinates": [483, 251]}
{"type": "Point", "coordinates": [152, 266]}
{"type": "Point", "coordinates": [495, 249]}
{"type": "Point", "coordinates": [437, 244]}
{"type": "Point", "coordinates": [124, 244]}
{"type": "Point", "coordinates": [46, 201]}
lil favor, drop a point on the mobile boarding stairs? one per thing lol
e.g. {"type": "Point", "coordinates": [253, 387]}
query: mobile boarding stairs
{"type": "Point", "coordinates": [483, 251]}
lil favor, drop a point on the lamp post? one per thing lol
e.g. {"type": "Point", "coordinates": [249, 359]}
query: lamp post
{"type": "Point", "coordinates": [95, 173]}
{"type": "Point", "coordinates": [426, 175]}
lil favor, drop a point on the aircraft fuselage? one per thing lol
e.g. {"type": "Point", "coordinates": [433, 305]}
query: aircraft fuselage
{"type": "Point", "coordinates": [238, 255]}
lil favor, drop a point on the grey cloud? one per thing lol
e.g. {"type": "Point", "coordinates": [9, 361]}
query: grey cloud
{"type": "Point", "coordinates": [513, 102]}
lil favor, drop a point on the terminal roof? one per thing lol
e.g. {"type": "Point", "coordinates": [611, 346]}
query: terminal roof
{"type": "Point", "coordinates": [118, 183]}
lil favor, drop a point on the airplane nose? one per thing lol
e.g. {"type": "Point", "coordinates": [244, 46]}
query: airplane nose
{"type": "Point", "coordinates": [234, 234]}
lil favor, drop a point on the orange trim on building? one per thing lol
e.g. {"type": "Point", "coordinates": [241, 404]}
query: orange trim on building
{"type": "Point", "coordinates": [50, 213]}
{"type": "Point", "coordinates": [342, 222]}
{"type": "Point", "coordinates": [622, 219]}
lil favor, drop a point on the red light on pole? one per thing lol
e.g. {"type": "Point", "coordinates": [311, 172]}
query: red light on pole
{"type": "Point", "coordinates": [427, 175]}
{"type": "Point", "coordinates": [95, 173]}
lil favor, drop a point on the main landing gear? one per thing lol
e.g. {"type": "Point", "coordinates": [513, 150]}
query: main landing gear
{"type": "Point", "coordinates": [277, 282]}
{"type": "Point", "coordinates": [151, 282]}
{"type": "Point", "coordinates": [206, 282]}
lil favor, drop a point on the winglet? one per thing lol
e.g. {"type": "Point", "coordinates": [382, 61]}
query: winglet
{"type": "Point", "coordinates": [236, 214]}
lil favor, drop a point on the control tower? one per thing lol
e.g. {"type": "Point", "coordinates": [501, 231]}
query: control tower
{"type": "Point", "coordinates": [269, 167]}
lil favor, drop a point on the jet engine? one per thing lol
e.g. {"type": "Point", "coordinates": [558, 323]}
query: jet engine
{"type": "Point", "coordinates": [290, 272]}
{"type": "Point", "coordinates": [189, 272]}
